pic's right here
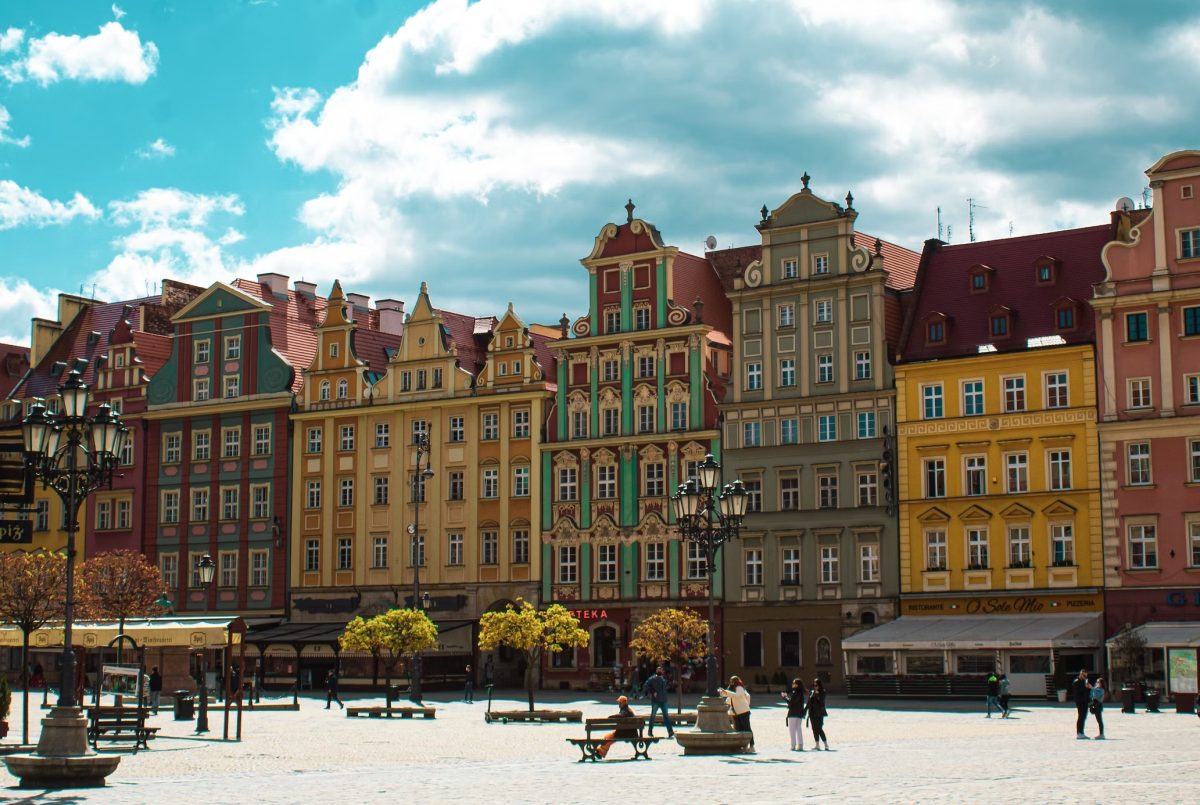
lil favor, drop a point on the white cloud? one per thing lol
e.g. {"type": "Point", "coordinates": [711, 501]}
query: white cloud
{"type": "Point", "coordinates": [11, 39]}
{"type": "Point", "coordinates": [20, 302]}
{"type": "Point", "coordinates": [5, 137]}
{"type": "Point", "coordinates": [113, 54]}
{"type": "Point", "coordinates": [159, 149]}
{"type": "Point", "coordinates": [20, 206]}
{"type": "Point", "coordinates": [117, 11]}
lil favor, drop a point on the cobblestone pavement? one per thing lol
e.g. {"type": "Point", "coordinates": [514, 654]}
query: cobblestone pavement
{"type": "Point", "coordinates": [882, 752]}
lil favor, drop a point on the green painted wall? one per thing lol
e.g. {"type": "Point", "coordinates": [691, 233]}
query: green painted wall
{"type": "Point", "coordinates": [547, 489]}
{"type": "Point", "coordinates": [660, 293]}
{"type": "Point", "coordinates": [626, 299]}
{"type": "Point", "coordinates": [594, 374]}
{"type": "Point", "coordinates": [695, 382]}
{"type": "Point", "coordinates": [561, 394]}
{"type": "Point", "coordinates": [547, 571]}
{"type": "Point", "coordinates": [673, 564]}
{"type": "Point", "coordinates": [585, 571]}
{"type": "Point", "coordinates": [594, 300]}
{"type": "Point", "coordinates": [627, 393]}
{"type": "Point", "coordinates": [585, 495]}
{"type": "Point", "coordinates": [629, 561]}
{"type": "Point", "coordinates": [629, 496]}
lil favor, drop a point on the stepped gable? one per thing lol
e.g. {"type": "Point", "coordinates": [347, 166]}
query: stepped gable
{"type": "Point", "coordinates": [944, 289]}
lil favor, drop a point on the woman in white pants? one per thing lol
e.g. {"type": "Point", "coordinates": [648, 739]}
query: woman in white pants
{"type": "Point", "coordinates": [796, 702]}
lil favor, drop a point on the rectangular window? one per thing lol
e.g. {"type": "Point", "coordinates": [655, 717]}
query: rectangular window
{"type": "Point", "coordinates": [612, 321]}
{"type": "Point", "coordinates": [1062, 539]}
{"type": "Point", "coordinates": [1020, 550]}
{"type": "Point", "coordinates": [641, 318]}
{"type": "Point", "coordinates": [1191, 393]}
{"type": "Point", "coordinates": [1143, 547]}
{"type": "Point", "coordinates": [194, 563]}
{"type": "Point", "coordinates": [437, 377]}
{"type": "Point", "coordinates": [454, 553]}
{"type": "Point", "coordinates": [827, 491]}
{"type": "Point", "coordinates": [787, 372]}
{"type": "Point", "coordinates": [262, 440]}
{"type": "Point", "coordinates": [41, 519]}
{"type": "Point", "coordinates": [199, 505]}
{"type": "Point", "coordinates": [491, 482]}
{"type": "Point", "coordinates": [935, 478]}
{"type": "Point", "coordinates": [868, 562]}
{"type": "Point", "coordinates": [753, 488]}
{"type": "Point", "coordinates": [653, 486]}
{"type": "Point", "coordinates": [568, 486]}
{"type": "Point", "coordinates": [790, 271]}
{"type": "Point", "coordinates": [170, 506]}
{"type": "Point", "coordinates": [827, 428]}
{"type": "Point", "coordinates": [752, 649]}
{"type": "Point", "coordinates": [646, 418]}
{"type": "Point", "coordinates": [1016, 466]}
{"type": "Point", "coordinates": [679, 416]}
{"type": "Point", "coordinates": [379, 552]}
{"type": "Point", "coordinates": [932, 405]}
{"type": "Point", "coordinates": [1139, 393]}
{"type": "Point", "coordinates": [346, 443]}
{"type": "Point", "coordinates": [124, 514]}
{"type": "Point", "coordinates": [1060, 469]}
{"type": "Point", "coordinates": [383, 434]}
{"type": "Point", "coordinates": [821, 264]}
{"type": "Point", "coordinates": [1194, 541]}
{"type": "Point", "coordinates": [406, 381]}
{"type": "Point", "coordinates": [422, 376]}
{"type": "Point", "coordinates": [1014, 394]}
{"type": "Point", "coordinates": [824, 311]}
{"type": "Point", "coordinates": [231, 443]}
{"type": "Point", "coordinates": [1189, 244]}
{"type": "Point", "coordinates": [789, 649]}
{"type": "Point", "coordinates": [520, 428]}
{"type": "Point", "coordinates": [126, 458]}
{"type": "Point", "coordinates": [488, 547]}
{"type": "Point", "coordinates": [656, 561]}
{"type": "Point", "coordinates": [229, 568]}
{"type": "Point", "coordinates": [1056, 390]}
{"type": "Point", "coordinates": [201, 440]}
{"type": "Point", "coordinates": [825, 368]}
{"type": "Point", "coordinates": [973, 398]}
{"type": "Point", "coordinates": [579, 424]}
{"type": "Point", "coordinates": [787, 315]}
{"type": "Point", "coordinates": [830, 571]}
{"type": "Point", "coordinates": [606, 482]}
{"type": "Point", "coordinates": [233, 386]}
{"type": "Point", "coordinates": [1191, 320]}
{"type": "Point", "coordinates": [419, 431]}
{"type": "Point", "coordinates": [975, 475]}
{"type": "Point", "coordinates": [610, 371]}
{"type": "Point", "coordinates": [202, 351]}
{"type": "Point", "coordinates": [520, 554]}
{"type": "Point", "coordinates": [230, 502]}
{"type": "Point", "coordinates": [312, 555]}
{"type": "Point", "coordinates": [790, 566]}
{"type": "Point", "coordinates": [753, 376]}
{"type": "Point", "coordinates": [1138, 454]}
{"type": "Point", "coordinates": [233, 347]}
{"type": "Point", "coordinates": [751, 434]}
{"type": "Point", "coordinates": [171, 448]}
{"type": "Point", "coordinates": [754, 567]}
{"type": "Point", "coordinates": [457, 428]}
{"type": "Point", "coordinates": [868, 488]}
{"type": "Point", "coordinates": [520, 485]}
{"type": "Point", "coordinates": [201, 389]}
{"type": "Point", "coordinates": [491, 426]}
{"type": "Point", "coordinates": [646, 366]}
{"type": "Point", "coordinates": [168, 566]}
{"type": "Point", "coordinates": [104, 515]}
{"type": "Point", "coordinates": [866, 424]}
{"type": "Point", "coordinates": [606, 564]}
{"type": "Point", "coordinates": [260, 501]}
{"type": "Point", "coordinates": [1194, 462]}
{"type": "Point", "coordinates": [345, 553]}
{"type": "Point", "coordinates": [345, 492]}
{"type": "Point", "coordinates": [697, 565]}
{"type": "Point", "coordinates": [416, 551]}
{"type": "Point", "coordinates": [457, 485]}
{"type": "Point", "coordinates": [380, 490]}
{"type": "Point", "coordinates": [977, 548]}
{"type": "Point", "coordinates": [1065, 318]}
{"type": "Point", "coordinates": [935, 550]}
{"type": "Point", "coordinates": [314, 440]}
{"type": "Point", "coordinates": [612, 421]}
{"type": "Point", "coordinates": [789, 493]}
{"type": "Point", "coordinates": [567, 564]}
{"type": "Point", "coordinates": [1136, 327]}
{"type": "Point", "coordinates": [789, 431]}
{"type": "Point", "coordinates": [862, 365]}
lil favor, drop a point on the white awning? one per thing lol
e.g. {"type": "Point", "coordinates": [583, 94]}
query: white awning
{"type": "Point", "coordinates": [192, 632]}
{"type": "Point", "coordinates": [988, 632]}
{"type": "Point", "coordinates": [1167, 635]}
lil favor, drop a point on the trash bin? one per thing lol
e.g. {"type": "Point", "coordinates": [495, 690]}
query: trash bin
{"type": "Point", "coordinates": [185, 705]}
{"type": "Point", "coordinates": [1127, 693]}
{"type": "Point", "coordinates": [1185, 702]}
{"type": "Point", "coordinates": [1152, 696]}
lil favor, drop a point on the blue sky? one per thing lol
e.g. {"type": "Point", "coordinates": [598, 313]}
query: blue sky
{"type": "Point", "coordinates": [481, 146]}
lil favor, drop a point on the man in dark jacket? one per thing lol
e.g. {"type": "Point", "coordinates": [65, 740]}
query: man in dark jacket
{"type": "Point", "coordinates": [656, 689]}
{"type": "Point", "coordinates": [993, 694]}
{"type": "Point", "coordinates": [1081, 691]}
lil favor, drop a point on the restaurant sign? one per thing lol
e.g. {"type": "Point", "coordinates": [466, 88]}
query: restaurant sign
{"type": "Point", "coordinates": [1002, 605]}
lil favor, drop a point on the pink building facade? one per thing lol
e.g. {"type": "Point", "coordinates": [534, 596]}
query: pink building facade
{"type": "Point", "coordinates": [1148, 340]}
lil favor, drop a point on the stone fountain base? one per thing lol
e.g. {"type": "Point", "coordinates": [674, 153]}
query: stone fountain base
{"type": "Point", "coordinates": [63, 758]}
{"type": "Point", "coordinates": [713, 734]}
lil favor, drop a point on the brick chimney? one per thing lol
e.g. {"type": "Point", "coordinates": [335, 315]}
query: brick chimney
{"type": "Point", "coordinates": [361, 302]}
{"type": "Point", "coordinates": [276, 282]}
{"type": "Point", "coordinates": [391, 316]}
{"type": "Point", "coordinates": [306, 289]}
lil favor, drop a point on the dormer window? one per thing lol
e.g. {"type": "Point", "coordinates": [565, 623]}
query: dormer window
{"type": "Point", "coordinates": [979, 278]}
{"type": "Point", "coordinates": [1045, 270]}
{"type": "Point", "coordinates": [1065, 314]}
{"type": "Point", "coordinates": [935, 329]}
{"type": "Point", "coordinates": [999, 322]}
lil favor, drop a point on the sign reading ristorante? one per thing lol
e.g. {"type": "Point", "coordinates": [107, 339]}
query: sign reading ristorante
{"type": "Point", "coordinates": [1003, 604]}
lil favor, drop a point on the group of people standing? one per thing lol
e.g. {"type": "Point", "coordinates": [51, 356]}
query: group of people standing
{"type": "Point", "coordinates": [806, 708]}
{"type": "Point", "coordinates": [1088, 696]}
{"type": "Point", "coordinates": [997, 694]}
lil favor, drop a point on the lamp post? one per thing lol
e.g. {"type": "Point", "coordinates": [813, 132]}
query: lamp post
{"type": "Point", "coordinates": [74, 454]}
{"type": "Point", "coordinates": [421, 442]}
{"type": "Point", "coordinates": [206, 568]}
{"type": "Point", "coordinates": [710, 516]}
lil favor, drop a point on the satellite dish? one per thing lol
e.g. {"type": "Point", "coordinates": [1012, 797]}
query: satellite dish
{"type": "Point", "coordinates": [710, 242]}
{"type": "Point", "coordinates": [1124, 204]}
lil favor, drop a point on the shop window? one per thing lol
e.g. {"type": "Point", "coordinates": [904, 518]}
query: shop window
{"type": "Point", "coordinates": [789, 649]}
{"type": "Point", "coordinates": [975, 663]}
{"type": "Point", "coordinates": [873, 664]}
{"type": "Point", "coordinates": [1029, 664]}
{"type": "Point", "coordinates": [917, 664]}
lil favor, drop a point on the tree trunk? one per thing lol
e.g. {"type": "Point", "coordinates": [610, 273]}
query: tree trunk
{"type": "Point", "coordinates": [530, 676]}
{"type": "Point", "coordinates": [25, 694]}
{"type": "Point", "coordinates": [679, 689]}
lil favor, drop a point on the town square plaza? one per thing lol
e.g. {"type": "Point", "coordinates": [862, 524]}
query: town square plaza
{"type": "Point", "coordinates": [881, 751]}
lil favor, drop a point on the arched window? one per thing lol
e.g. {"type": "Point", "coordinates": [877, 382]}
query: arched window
{"type": "Point", "coordinates": [324, 390]}
{"type": "Point", "coordinates": [867, 618]}
{"type": "Point", "coordinates": [824, 651]}
{"type": "Point", "coordinates": [343, 389]}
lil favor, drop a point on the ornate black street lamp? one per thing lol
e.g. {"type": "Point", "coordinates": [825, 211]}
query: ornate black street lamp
{"type": "Point", "coordinates": [74, 454]}
{"type": "Point", "coordinates": [421, 442]}
{"type": "Point", "coordinates": [206, 568]}
{"type": "Point", "coordinates": [710, 515]}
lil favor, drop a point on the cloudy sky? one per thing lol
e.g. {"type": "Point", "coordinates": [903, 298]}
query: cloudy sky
{"type": "Point", "coordinates": [481, 146]}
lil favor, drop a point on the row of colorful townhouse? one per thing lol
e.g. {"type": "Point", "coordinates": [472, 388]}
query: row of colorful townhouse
{"type": "Point", "coordinates": [978, 456]}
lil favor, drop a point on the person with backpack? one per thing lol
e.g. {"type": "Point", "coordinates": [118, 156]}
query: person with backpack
{"type": "Point", "coordinates": [797, 703]}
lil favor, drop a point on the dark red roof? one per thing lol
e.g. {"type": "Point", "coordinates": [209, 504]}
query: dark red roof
{"type": "Point", "coordinates": [14, 363]}
{"type": "Point", "coordinates": [944, 289]}
{"type": "Point", "coordinates": [471, 336]}
{"type": "Point", "coordinates": [899, 263]}
{"type": "Point", "coordinates": [730, 264]}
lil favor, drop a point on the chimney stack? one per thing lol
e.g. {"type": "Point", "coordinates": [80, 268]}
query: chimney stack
{"type": "Point", "coordinates": [361, 302]}
{"type": "Point", "coordinates": [391, 316]}
{"type": "Point", "coordinates": [276, 282]}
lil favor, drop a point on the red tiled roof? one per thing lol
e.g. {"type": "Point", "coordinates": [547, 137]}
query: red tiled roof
{"type": "Point", "coordinates": [545, 355]}
{"type": "Point", "coordinates": [696, 278]}
{"type": "Point", "coordinates": [14, 363]}
{"type": "Point", "coordinates": [943, 288]}
{"type": "Point", "coordinates": [471, 336]}
{"type": "Point", "coordinates": [730, 264]}
{"type": "Point", "coordinates": [899, 263]}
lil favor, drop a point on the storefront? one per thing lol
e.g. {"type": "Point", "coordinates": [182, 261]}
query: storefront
{"type": "Point", "coordinates": [1169, 656]}
{"type": "Point", "coordinates": [953, 644]}
{"type": "Point", "coordinates": [769, 645]}
{"type": "Point", "coordinates": [1129, 605]}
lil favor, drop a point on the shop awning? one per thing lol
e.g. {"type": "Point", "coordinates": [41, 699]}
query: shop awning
{"type": "Point", "coordinates": [190, 632]}
{"type": "Point", "coordinates": [454, 637]}
{"type": "Point", "coordinates": [981, 632]}
{"type": "Point", "coordinates": [1167, 635]}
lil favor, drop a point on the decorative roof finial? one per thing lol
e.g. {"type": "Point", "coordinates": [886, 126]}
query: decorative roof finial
{"type": "Point", "coordinates": [804, 180]}
{"type": "Point", "coordinates": [424, 287]}
{"type": "Point", "coordinates": [849, 200]}
{"type": "Point", "coordinates": [764, 212]}
{"type": "Point", "coordinates": [698, 304]}
{"type": "Point", "coordinates": [878, 247]}
{"type": "Point", "coordinates": [564, 324]}
{"type": "Point", "coordinates": [629, 208]}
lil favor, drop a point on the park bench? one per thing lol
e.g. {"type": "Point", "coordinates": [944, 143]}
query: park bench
{"type": "Point", "coordinates": [117, 724]}
{"type": "Point", "coordinates": [542, 716]}
{"type": "Point", "coordinates": [590, 745]}
{"type": "Point", "coordinates": [391, 712]}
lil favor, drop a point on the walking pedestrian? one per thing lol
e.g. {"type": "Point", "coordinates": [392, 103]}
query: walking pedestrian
{"type": "Point", "coordinates": [656, 689]}
{"type": "Point", "coordinates": [797, 702]}
{"type": "Point", "coordinates": [739, 704]}
{"type": "Point", "coordinates": [469, 688]}
{"type": "Point", "coordinates": [1081, 692]}
{"type": "Point", "coordinates": [256, 681]}
{"type": "Point", "coordinates": [1004, 695]}
{"type": "Point", "coordinates": [331, 690]}
{"type": "Point", "coordinates": [993, 694]}
{"type": "Point", "coordinates": [155, 688]}
{"type": "Point", "coordinates": [489, 671]}
{"type": "Point", "coordinates": [817, 712]}
{"type": "Point", "coordinates": [1096, 705]}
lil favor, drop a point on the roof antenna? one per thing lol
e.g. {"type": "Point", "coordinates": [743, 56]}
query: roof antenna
{"type": "Point", "coordinates": [1010, 228]}
{"type": "Point", "coordinates": [939, 209]}
{"type": "Point", "coordinates": [971, 207]}
{"type": "Point", "coordinates": [949, 233]}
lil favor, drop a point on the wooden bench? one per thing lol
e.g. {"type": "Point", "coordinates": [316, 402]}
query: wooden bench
{"type": "Point", "coordinates": [590, 745]}
{"type": "Point", "coordinates": [117, 724]}
{"type": "Point", "coordinates": [543, 716]}
{"type": "Point", "coordinates": [391, 712]}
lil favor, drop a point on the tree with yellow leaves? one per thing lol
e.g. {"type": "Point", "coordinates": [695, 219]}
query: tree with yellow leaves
{"type": "Point", "coordinates": [531, 631]}
{"type": "Point", "coordinates": [33, 591]}
{"type": "Point", "coordinates": [390, 637]}
{"type": "Point", "coordinates": [671, 635]}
